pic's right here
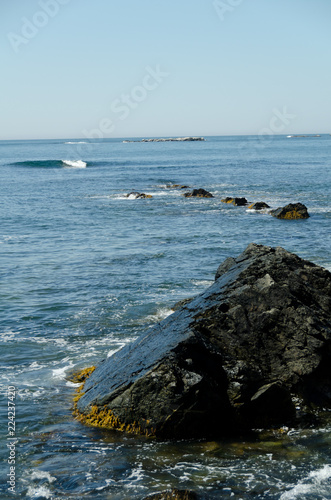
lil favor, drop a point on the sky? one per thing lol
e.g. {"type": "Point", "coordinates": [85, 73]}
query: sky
{"type": "Point", "coordinates": [151, 68]}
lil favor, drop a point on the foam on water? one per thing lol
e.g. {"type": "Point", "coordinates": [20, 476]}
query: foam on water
{"type": "Point", "coordinates": [60, 373]}
{"type": "Point", "coordinates": [316, 485]}
{"type": "Point", "coordinates": [39, 492]}
{"type": "Point", "coordinates": [42, 474]}
{"type": "Point", "coordinates": [75, 164]}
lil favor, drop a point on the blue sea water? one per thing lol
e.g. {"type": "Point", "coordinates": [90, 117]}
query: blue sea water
{"type": "Point", "coordinates": [85, 270]}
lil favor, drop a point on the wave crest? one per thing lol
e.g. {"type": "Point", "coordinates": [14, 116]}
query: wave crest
{"type": "Point", "coordinates": [75, 164]}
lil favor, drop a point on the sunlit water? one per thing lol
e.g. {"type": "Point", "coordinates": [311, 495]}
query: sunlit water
{"type": "Point", "coordinates": [85, 270]}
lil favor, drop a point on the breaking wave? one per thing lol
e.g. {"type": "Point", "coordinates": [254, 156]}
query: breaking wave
{"type": "Point", "coordinates": [75, 164]}
{"type": "Point", "coordinates": [50, 163]}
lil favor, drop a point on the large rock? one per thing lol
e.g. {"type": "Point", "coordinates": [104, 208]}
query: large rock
{"type": "Point", "coordinates": [253, 350]}
{"type": "Point", "coordinates": [291, 211]}
{"type": "Point", "coordinates": [198, 193]}
{"type": "Point", "coordinates": [238, 202]}
{"type": "Point", "coordinates": [260, 205]}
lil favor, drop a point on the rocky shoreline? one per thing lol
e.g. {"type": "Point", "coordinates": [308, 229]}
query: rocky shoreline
{"type": "Point", "coordinates": [252, 351]}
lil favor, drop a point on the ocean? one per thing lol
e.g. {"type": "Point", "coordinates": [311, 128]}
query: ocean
{"type": "Point", "coordinates": [86, 270]}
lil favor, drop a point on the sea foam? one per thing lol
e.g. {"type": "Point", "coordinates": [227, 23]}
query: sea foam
{"type": "Point", "coordinates": [315, 485]}
{"type": "Point", "coordinates": [75, 164]}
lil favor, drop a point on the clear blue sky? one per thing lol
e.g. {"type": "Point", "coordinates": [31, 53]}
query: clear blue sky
{"type": "Point", "coordinates": [164, 67]}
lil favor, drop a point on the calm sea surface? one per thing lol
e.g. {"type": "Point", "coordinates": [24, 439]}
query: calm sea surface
{"type": "Point", "coordinates": [85, 270]}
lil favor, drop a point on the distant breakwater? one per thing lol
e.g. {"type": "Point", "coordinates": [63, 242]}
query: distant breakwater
{"type": "Point", "coordinates": [171, 139]}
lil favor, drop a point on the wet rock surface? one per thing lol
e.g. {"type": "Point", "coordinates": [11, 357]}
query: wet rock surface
{"type": "Point", "coordinates": [252, 351]}
{"type": "Point", "coordinates": [198, 193]}
{"type": "Point", "coordinates": [260, 205]}
{"type": "Point", "coordinates": [138, 196]}
{"type": "Point", "coordinates": [291, 211]}
{"type": "Point", "coordinates": [238, 202]}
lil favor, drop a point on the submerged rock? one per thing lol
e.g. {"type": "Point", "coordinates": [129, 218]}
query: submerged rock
{"type": "Point", "coordinates": [252, 351]}
{"type": "Point", "coordinates": [135, 195]}
{"type": "Point", "coordinates": [177, 186]}
{"type": "Point", "coordinates": [291, 211]}
{"type": "Point", "coordinates": [260, 205]}
{"type": "Point", "coordinates": [239, 202]}
{"type": "Point", "coordinates": [199, 193]}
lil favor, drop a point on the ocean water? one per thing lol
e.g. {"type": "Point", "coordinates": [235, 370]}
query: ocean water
{"type": "Point", "coordinates": [85, 270]}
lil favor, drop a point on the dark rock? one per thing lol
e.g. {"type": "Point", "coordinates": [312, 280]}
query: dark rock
{"type": "Point", "coordinates": [137, 196]}
{"type": "Point", "coordinates": [199, 193]}
{"type": "Point", "coordinates": [243, 354]}
{"type": "Point", "coordinates": [260, 205]}
{"type": "Point", "coordinates": [239, 202]}
{"type": "Point", "coordinates": [291, 211]}
{"type": "Point", "coordinates": [177, 186]}
{"type": "Point", "coordinates": [182, 303]}
{"type": "Point", "coordinates": [173, 494]}
{"type": "Point", "coordinates": [171, 139]}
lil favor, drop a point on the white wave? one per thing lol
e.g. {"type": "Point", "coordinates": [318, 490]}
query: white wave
{"type": "Point", "coordinates": [60, 373]}
{"type": "Point", "coordinates": [202, 282]}
{"type": "Point", "coordinates": [42, 474]}
{"type": "Point", "coordinates": [40, 492]}
{"type": "Point", "coordinates": [77, 142]}
{"type": "Point", "coordinates": [316, 483]}
{"type": "Point", "coordinates": [75, 164]}
{"type": "Point", "coordinates": [35, 366]}
{"type": "Point", "coordinates": [72, 384]}
{"type": "Point", "coordinates": [159, 315]}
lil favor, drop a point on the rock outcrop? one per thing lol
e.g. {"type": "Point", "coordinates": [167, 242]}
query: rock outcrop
{"type": "Point", "coordinates": [138, 196]}
{"type": "Point", "coordinates": [291, 211]}
{"type": "Point", "coordinates": [260, 205]}
{"type": "Point", "coordinates": [198, 193]}
{"type": "Point", "coordinates": [171, 139]}
{"type": "Point", "coordinates": [177, 186]}
{"type": "Point", "coordinates": [239, 202]}
{"type": "Point", "coordinates": [252, 351]}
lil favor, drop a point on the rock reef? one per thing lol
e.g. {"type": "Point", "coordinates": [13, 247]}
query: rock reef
{"type": "Point", "coordinates": [138, 196]}
{"type": "Point", "coordinates": [171, 139]}
{"type": "Point", "coordinates": [259, 205]}
{"type": "Point", "coordinates": [291, 211]}
{"type": "Point", "coordinates": [239, 202]}
{"type": "Point", "coordinates": [252, 351]}
{"type": "Point", "coordinates": [198, 193]}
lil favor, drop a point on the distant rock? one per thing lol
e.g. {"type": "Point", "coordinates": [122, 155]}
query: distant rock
{"type": "Point", "coordinates": [171, 139]}
{"type": "Point", "coordinates": [252, 351]}
{"type": "Point", "coordinates": [260, 205]}
{"type": "Point", "coordinates": [291, 211]}
{"type": "Point", "coordinates": [177, 186]}
{"type": "Point", "coordinates": [199, 193]}
{"type": "Point", "coordinates": [239, 202]}
{"type": "Point", "coordinates": [135, 195]}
